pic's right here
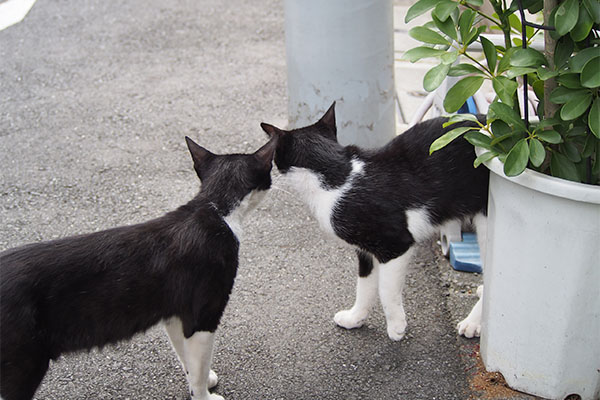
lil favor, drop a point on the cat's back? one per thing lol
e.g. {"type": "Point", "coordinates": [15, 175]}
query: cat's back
{"type": "Point", "coordinates": [414, 143]}
{"type": "Point", "coordinates": [403, 175]}
{"type": "Point", "coordinates": [184, 233]}
{"type": "Point", "coordinates": [407, 159]}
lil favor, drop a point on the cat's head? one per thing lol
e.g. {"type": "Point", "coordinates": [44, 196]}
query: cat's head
{"type": "Point", "coordinates": [313, 148]}
{"type": "Point", "coordinates": [232, 180]}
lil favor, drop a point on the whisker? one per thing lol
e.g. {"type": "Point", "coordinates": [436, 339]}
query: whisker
{"type": "Point", "coordinates": [279, 188]}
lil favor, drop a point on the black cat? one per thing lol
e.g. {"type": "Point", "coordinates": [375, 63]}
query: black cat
{"type": "Point", "coordinates": [90, 290]}
{"type": "Point", "coordinates": [383, 202]}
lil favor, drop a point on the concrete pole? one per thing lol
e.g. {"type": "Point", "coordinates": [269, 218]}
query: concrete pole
{"type": "Point", "coordinates": [343, 51]}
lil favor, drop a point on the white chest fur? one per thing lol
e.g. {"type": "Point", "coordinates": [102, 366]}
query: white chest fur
{"type": "Point", "coordinates": [235, 218]}
{"type": "Point", "coordinates": [321, 201]}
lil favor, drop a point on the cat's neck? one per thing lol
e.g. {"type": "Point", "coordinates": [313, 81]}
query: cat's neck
{"type": "Point", "coordinates": [236, 216]}
{"type": "Point", "coordinates": [231, 212]}
{"type": "Point", "coordinates": [219, 204]}
{"type": "Point", "coordinates": [320, 197]}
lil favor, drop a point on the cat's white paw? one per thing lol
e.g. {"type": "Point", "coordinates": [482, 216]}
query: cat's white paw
{"type": "Point", "coordinates": [350, 319]}
{"type": "Point", "coordinates": [208, 396]}
{"type": "Point", "coordinates": [213, 379]}
{"type": "Point", "coordinates": [469, 328]}
{"type": "Point", "coordinates": [396, 329]}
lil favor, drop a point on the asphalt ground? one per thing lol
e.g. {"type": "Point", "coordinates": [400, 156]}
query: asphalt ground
{"type": "Point", "coordinates": [95, 100]}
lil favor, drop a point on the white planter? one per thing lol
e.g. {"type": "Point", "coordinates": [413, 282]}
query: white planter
{"type": "Point", "coordinates": [541, 304]}
{"type": "Point", "coordinates": [343, 51]}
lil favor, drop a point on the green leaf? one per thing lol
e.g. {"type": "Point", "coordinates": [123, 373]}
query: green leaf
{"type": "Point", "coordinates": [593, 7]}
{"type": "Point", "coordinates": [463, 69]}
{"type": "Point", "coordinates": [576, 106]}
{"type": "Point", "coordinates": [490, 52]}
{"type": "Point", "coordinates": [499, 127]}
{"type": "Point", "coordinates": [566, 16]}
{"type": "Point", "coordinates": [448, 137]}
{"type": "Point", "coordinates": [594, 118]}
{"type": "Point", "coordinates": [483, 158]}
{"type": "Point", "coordinates": [477, 138]}
{"type": "Point", "coordinates": [465, 22]}
{"type": "Point", "coordinates": [563, 50]}
{"type": "Point", "coordinates": [590, 75]}
{"type": "Point", "coordinates": [449, 57]}
{"type": "Point", "coordinates": [538, 89]}
{"type": "Point", "coordinates": [461, 118]}
{"type": "Point", "coordinates": [580, 59]}
{"type": "Point", "coordinates": [589, 146]}
{"type": "Point", "coordinates": [461, 91]}
{"type": "Point", "coordinates": [545, 73]}
{"type": "Point", "coordinates": [443, 9]}
{"type": "Point", "coordinates": [578, 130]}
{"type": "Point", "coordinates": [533, 6]}
{"type": "Point", "coordinates": [426, 35]}
{"type": "Point", "coordinates": [537, 153]}
{"type": "Point", "coordinates": [418, 53]}
{"type": "Point", "coordinates": [504, 63]}
{"type": "Point", "coordinates": [435, 76]}
{"type": "Point", "coordinates": [517, 159]}
{"type": "Point", "coordinates": [527, 58]}
{"type": "Point", "coordinates": [419, 8]}
{"type": "Point", "coordinates": [562, 167]}
{"type": "Point", "coordinates": [549, 136]}
{"type": "Point", "coordinates": [505, 89]}
{"type": "Point", "coordinates": [476, 3]}
{"type": "Point", "coordinates": [474, 34]}
{"type": "Point", "coordinates": [507, 114]}
{"type": "Point", "coordinates": [514, 22]}
{"type": "Point", "coordinates": [571, 151]}
{"type": "Point", "coordinates": [510, 135]}
{"type": "Point", "coordinates": [583, 27]}
{"type": "Point", "coordinates": [447, 27]}
{"type": "Point", "coordinates": [570, 81]}
{"type": "Point", "coordinates": [520, 71]}
{"type": "Point", "coordinates": [561, 95]}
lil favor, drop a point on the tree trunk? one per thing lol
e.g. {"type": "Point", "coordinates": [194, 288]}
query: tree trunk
{"type": "Point", "coordinates": [549, 46]}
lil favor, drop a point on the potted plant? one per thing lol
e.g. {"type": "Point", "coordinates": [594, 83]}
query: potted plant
{"type": "Point", "coordinates": [541, 304]}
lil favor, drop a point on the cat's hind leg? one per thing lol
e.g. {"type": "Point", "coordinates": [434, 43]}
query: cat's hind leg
{"type": "Point", "coordinates": [392, 275]}
{"type": "Point", "coordinates": [366, 294]}
{"type": "Point", "coordinates": [174, 330]}
{"type": "Point", "coordinates": [197, 355]}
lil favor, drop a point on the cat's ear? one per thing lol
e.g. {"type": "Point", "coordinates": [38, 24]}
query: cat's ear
{"type": "Point", "coordinates": [271, 130]}
{"type": "Point", "coordinates": [328, 121]}
{"type": "Point", "coordinates": [266, 153]}
{"type": "Point", "coordinates": [200, 155]}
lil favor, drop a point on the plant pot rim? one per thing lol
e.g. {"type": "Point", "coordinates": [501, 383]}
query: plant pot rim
{"type": "Point", "coordinates": [545, 183]}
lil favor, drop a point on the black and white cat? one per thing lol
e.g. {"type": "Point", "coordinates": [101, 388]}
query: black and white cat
{"type": "Point", "coordinates": [382, 202]}
{"type": "Point", "coordinates": [87, 291]}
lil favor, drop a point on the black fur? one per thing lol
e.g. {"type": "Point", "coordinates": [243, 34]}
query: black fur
{"type": "Point", "coordinates": [397, 177]}
{"type": "Point", "coordinates": [90, 290]}
{"type": "Point", "coordinates": [365, 263]}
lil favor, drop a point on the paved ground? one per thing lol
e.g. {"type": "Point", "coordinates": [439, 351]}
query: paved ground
{"type": "Point", "coordinates": [95, 100]}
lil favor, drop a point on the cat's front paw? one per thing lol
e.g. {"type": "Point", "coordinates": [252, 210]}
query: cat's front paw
{"type": "Point", "coordinates": [396, 329]}
{"type": "Point", "coordinates": [208, 396]}
{"type": "Point", "coordinates": [469, 328]}
{"type": "Point", "coordinates": [350, 319]}
{"type": "Point", "coordinates": [213, 379]}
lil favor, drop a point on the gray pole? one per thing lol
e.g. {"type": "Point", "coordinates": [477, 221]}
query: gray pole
{"type": "Point", "coordinates": [343, 51]}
